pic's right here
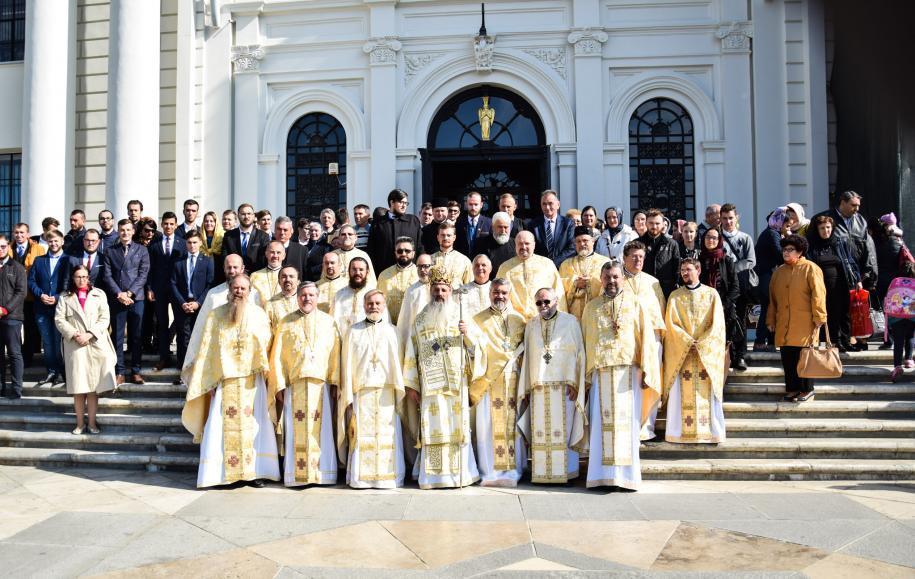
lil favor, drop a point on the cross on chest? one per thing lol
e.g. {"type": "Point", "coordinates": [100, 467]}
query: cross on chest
{"type": "Point", "coordinates": [547, 357]}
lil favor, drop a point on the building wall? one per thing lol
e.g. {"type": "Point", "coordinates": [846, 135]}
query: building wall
{"type": "Point", "coordinates": [92, 34]}
{"type": "Point", "coordinates": [11, 74]}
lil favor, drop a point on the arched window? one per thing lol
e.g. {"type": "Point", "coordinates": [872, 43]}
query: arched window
{"type": "Point", "coordinates": [661, 159]}
{"type": "Point", "coordinates": [514, 122]}
{"type": "Point", "coordinates": [315, 141]}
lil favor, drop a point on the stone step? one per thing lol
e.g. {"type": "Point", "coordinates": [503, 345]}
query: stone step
{"type": "Point", "coordinates": [66, 421]}
{"type": "Point", "coordinates": [769, 391]}
{"type": "Point", "coordinates": [68, 457]}
{"type": "Point", "coordinates": [818, 427]}
{"type": "Point", "coordinates": [105, 404]}
{"type": "Point", "coordinates": [136, 441]}
{"type": "Point", "coordinates": [821, 408]}
{"type": "Point", "coordinates": [125, 391]}
{"type": "Point", "coordinates": [872, 356]}
{"type": "Point", "coordinates": [851, 373]}
{"type": "Point", "coordinates": [778, 469]}
{"type": "Point", "coordinates": [764, 448]}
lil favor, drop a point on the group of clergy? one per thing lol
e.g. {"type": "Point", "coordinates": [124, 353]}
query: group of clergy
{"type": "Point", "coordinates": [434, 368]}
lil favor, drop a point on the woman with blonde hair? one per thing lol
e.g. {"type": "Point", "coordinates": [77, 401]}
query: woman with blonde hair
{"type": "Point", "coordinates": [212, 234]}
{"type": "Point", "coordinates": [82, 318]}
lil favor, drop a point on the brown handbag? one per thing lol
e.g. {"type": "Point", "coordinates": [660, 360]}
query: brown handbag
{"type": "Point", "coordinates": [816, 362]}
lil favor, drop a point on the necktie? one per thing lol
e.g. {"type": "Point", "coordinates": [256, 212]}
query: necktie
{"type": "Point", "coordinates": [549, 237]}
{"type": "Point", "coordinates": [168, 246]}
{"type": "Point", "coordinates": [190, 276]}
{"type": "Point", "coordinates": [126, 249]}
{"type": "Point", "coordinates": [193, 265]}
{"type": "Point", "coordinates": [473, 230]}
{"type": "Point", "coordinates": [244, 243]}
{"type": "Point", "coordinates": [21, 250]}
{"type": "Point", "coordinates": [89, 262]}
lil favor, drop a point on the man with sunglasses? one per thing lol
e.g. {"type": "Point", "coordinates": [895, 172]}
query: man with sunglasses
{"type": "Point", "coordinates": [395, 280]}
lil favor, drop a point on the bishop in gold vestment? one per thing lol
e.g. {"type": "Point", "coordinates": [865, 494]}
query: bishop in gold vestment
{"type": "Point", "coordinates": [553, 383]}
{"type": "Point", "coordinates": [581, 273]}
{"type": "Point", "coordinates": [501, 454]}
{"type": "Point", "coordinates": [625, 380]}
{"type": "Point", "coordinates": [438, 367]}
{"type": "Point", "coordinates": [371, 401]}
{"type": "Point", "coordinates": [305, 371]}
{"type": "Point", "coordinates": [527, 272]}
{"type": "Point", "coordinates": [229, 408]}
{"type": "Point", "coordinates": [694, 367]}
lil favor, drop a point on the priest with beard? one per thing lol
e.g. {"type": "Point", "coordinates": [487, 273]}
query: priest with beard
{"type": "Point", "coordinates": [439, 365]}
{"type": "Point", "coordinates": [526, 273]}
{"type": "Point", "coordinates": [415, 299]}
{"type": "Point", "coordinates": [552, 385]}
{"type": "Point", "coordinates": [501, 455]}
{"type": "Point", "coordinates": [229, 407]}
{"type": "Point", "coordinates": [286, 301]}
{"type": "Point", "coordinates": [498, 246]}
{"type": "Point", "coordinates": [624, 377]}
{"type": "Point", "coordinates": [332, 280]}
{"type": "Point", "coordinates": [348, 251]}
{"type": "Point", "coordinates": [395, 280]}
{"type": "Point", "coordinates": [348, 303]}
{"type": "Point", "coordinates": [267, 280]}
{"type": "Point", "coordinates": [371, 401]}
{"type": "Point", "coordinates": [305, 373]}
{"type": "Point", "coordinates": [581, 273]}
{"type": "Point", "coordinates": [476, 293]}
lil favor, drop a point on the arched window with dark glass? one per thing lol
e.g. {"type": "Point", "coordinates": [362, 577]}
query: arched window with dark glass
{"type": "Point", "coordinates": [314, 143]}
{"type": "Point", "coordinates": [662, 159]}
{"type": "Point", "coordinates": [459, 123]}
{"type": "Point", "coordinates": [10, 190]}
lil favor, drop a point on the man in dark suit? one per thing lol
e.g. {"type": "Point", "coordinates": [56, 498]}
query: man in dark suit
{"type": "Point", "coordinates": [190, 281]}
{"type": "Point", "coordinates": [247, 240]}
{"type": "Point", "coordinates": [498, 246]}
{"type": "Point", "coordinates": [90, 257]}
{"type": "Point", "coordinates": [125, 268]}
{"type": "Point", "coordinates": [73, 240]}
{"type": "Point", "coordinates": [429, 235]}
{"type": "Point", "coordinates": [190, 211]}
{"type": "Point", "coordinates": [164, 252]}
{"type": "Point", "coordinates": [471, 226]}
{"type": "Point", "coordinates": [397, 223]}
{"type": "Point", "coordinates": [12, 298]}
{"type": "Point", "coordinates": [296, 253]}
{"type": "Point", "coordinates": [553, 233]}
{"type": "Point", "coordinates": [508, 204]}
{"type": "Point", "coordinates": [47, 280]}
{"type": "Point", "coordinates": [25, 251]}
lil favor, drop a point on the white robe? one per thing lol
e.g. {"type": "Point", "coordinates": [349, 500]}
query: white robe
{"type": "Point", "coordinates": [475, 298]}
{"type": "Point", "coordinates": [400, 469]}
{"type": "Point", "coordinates": [489, 476]}
{"type": "Point", "coordinates": [211, 471]}
{"type": "Point", "coordinates": [648, 432]}
{"type": "Point", "coordinates": [628, 477]}
{"type": "Point", "coordinates": [674, 419]}
{"type": "Point", "coordinates": [328, 462]}
{"type": "Point", "coordinates": [417, 296]}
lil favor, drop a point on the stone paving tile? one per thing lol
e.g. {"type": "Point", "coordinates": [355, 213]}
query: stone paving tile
{"type": "Point", "coordinates": [826, 534]}
{"type": "Point", "coordinates": [439, 543]}
{"type": "Point", "coordinates": [10, 525]}
{"type": "Point", "coordinates": [696, 548]}
{"type": "Point", "coordinates": [583, 562]}
{"type": "Point", "coordinates": [240, 504]}
{"type": "Point", "coordinates": [630, 543]}
{"type": "Point", "coordinates": [716, 506]}
{"type": "Point", "coordinates": [814, 507]}
{"type": "Point", "coordinates": [236, 563]}
{"type": "Point", "coordinates": [565, 507]}
{"type": "Point", "coordinates": [893, 543]}
{"type": "Point", "coordinates": [536, 564]}
{"type": "Point", "coordinates": [33, 560]}
{"type": "Point", "coordinates": [349, 506]}
{"type": "Point", "coordinates": [484, 564]}
{"type": "Point", "coordinates": [889, 508]}
{"type": "Point", "coordinates": [170, 540]}
{"type": "Point", "coordinates": [840, 566]}
{"type": "Point", "coordinates": [440, 506]}
{"type": "Point", "coordinates": [87, 529]}
{"type": "Point", "coordinates": [246, 531]}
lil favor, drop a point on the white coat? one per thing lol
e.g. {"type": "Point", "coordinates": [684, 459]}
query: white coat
{"type": "Point", "coordinates": [89, 368]}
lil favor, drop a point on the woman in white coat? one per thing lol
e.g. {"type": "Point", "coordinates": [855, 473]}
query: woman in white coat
{"type": "Point", "coordinates": [82, 317]}
{"type": "Point", "coordinates": [616, 235]}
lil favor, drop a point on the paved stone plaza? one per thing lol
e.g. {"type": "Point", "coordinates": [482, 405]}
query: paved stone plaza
{"type": "Point", "coordinates": [113, 523]}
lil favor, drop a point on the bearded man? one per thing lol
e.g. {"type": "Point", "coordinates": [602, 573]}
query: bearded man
{"type": "Point", "coordinates": [332, 280]}
{"type": "Point", "coordinates": [457, 264]}
{"type": "Point", "coordinates": [438, 366]}
{"type": "Point", "coordinates": [395, 280]}
{"type": "Point", "coordinates": [348, 250]}
{"type": "Point", "coordinates": [581, 273]}
{"type": "Point", "coordinates": [236, 433]}
{"type": "Point", "coordinates": [371, 401]}
{"type": "Point", "coordinates": [526, 272]}
{"type": "Point", "coordinates": [552, 384]}
{"type": "Point", "coordinates": [500, 450]}
{"type": "Point", "coordinates": [305, 372]}
{"type": "Point", "coordinates": [348, 308]}
{"type": "Point", "coordinates": [286, 301]}
{"type": "Point", "coordinates": [496, 245]}
{"type": "Point", "coordinates": [476, 293]}
{"type": "Point", "coordinates": [267, 280]}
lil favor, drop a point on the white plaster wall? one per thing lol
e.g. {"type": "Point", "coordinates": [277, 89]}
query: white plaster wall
{"type": "Point", "coordinates": [11, 76]}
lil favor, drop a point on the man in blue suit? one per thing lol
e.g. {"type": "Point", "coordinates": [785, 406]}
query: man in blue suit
{"type": "Point", "coordinates": [125, 269]}
{"type": "Point", "coordinates": [164, 252]}
{"type": "Point", "coordinates": [554, 234]}
{"type": "Point", "coordinates": [90, 257]}
{"type": "Point", "coordinates": [47, 280]}
{"type": "Point", "coordinates": [472, 226]}
{"type": "Point", "coordinates": [191, 279]}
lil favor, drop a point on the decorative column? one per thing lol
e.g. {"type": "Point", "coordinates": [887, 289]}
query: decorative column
{"type": "Point", "coordinates": [47, 88]}
{"type": "Point", "coordinates": [382, 53]}
{"type": "Point", "coordinates": [246, 84]}
{"type": "Point", "coordinates": [133, 106]}
{"type": "Point", "coordinates": [589, 116]}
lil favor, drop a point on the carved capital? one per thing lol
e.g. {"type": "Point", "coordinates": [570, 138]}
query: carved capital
{"type": "Point", "coordinates": [483, 47]}
{"type": "Point", "coordinates": [588, 41]}
{"type": "Point", "coordinates": [735, 37]}
{"type": "Point", "coordinates": [247, 58]}
{"type": "Point", "coordinates": [382, 50]}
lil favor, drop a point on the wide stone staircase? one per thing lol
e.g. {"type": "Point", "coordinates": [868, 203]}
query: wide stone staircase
{"type": "Point", "coordinates": [859, 427]}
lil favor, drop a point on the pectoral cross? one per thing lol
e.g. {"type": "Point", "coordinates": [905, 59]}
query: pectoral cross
{"type": "Point", "coordinates": [547, 357]}
{"type": "Point", "coordinates": [239, 346]}
{"type": "Point", "coordinates": [374, 362]}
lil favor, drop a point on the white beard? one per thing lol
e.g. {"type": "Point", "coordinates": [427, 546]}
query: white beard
{"type": "Point", "coordinates": [584, 253]}
{"type": "Point", "coordinates": [502, 239]}
{"type": "Point", "coordinates": [443, 315]}
{"type": "Point", "coordinates": [373, 317]}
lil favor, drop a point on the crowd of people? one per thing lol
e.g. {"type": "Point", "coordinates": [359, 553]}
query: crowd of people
{"type": "Point", "coordinates": [448, 342]}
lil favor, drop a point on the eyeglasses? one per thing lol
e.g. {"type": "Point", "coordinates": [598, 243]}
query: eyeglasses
{"type": "Point", "coordinates": [424, 266]}
{"type": "Point", "coordinates": [789, 250]}
{"type": "Point", "coordinates": [543, 303]}
{"type": "Point", "coordinates": [399, 251]}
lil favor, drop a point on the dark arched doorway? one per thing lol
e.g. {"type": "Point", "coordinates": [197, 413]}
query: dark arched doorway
{"type": "Point", "coordinates": [661, 159]}
{"type": "Point", "coordinates": [314, 142]}
{"type": "Point", "coordinates": [513, 157]}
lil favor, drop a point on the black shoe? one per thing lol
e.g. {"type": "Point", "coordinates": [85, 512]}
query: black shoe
{"type": "Point", "coordinates": [886, 346]}
{"type": "Point", "coordinates": [740, 364]}
{"type": "Point", "coordinates": [58, 379]}
{"type": "Point", "coordinates": [12, 394]}
{"type": "Point", "coordinates": [258, 483]}
{"type": "Point", "coordinates": [842, 348]}
{"type": "Point", "coordinates": [49, 379]}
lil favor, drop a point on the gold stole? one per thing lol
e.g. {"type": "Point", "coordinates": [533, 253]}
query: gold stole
{"type": "Point", "coordinates": [238, 428]}
{"type": "Point", "coordinates": [503, 410]}
{"type": "Point", "coordinates": [549, 457]}
{"type": "Point", "coordinates": [375, 433]}
{"type": "Point", "coordinates": [307, 403]}
{"type": "Point", "coordinates": [695, 401]}
{"type": "Point", "coordinates": [616, 415]}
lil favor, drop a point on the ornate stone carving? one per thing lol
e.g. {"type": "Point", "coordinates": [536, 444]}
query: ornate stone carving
{"type": "Point", "coordinates": [735, 37]}
{"type": "Point", "coordinates": [382, 50]}
{"type": "Point", "coordinates": [414, 63]}
{"type": "Point", "coordinates": [247, 58]}
{"type": "Point", "coordinates": [555, 58]}
{"type": "Point", "coordinates": [588, 41]}
{"type": "Point", "coordinates": [483, 47]}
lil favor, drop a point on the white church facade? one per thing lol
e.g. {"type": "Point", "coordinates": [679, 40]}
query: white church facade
{"type": "Point", "coordinates": [297, 104]}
